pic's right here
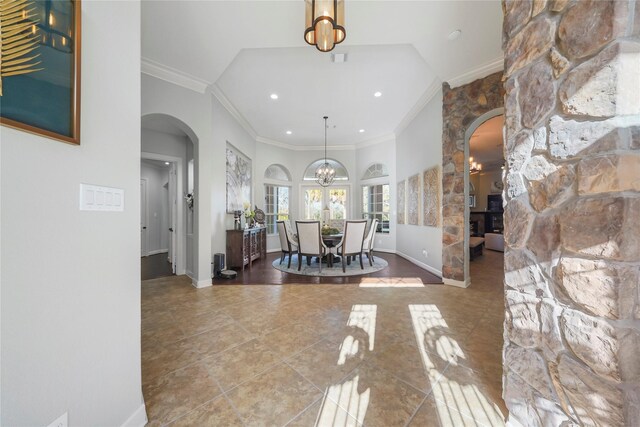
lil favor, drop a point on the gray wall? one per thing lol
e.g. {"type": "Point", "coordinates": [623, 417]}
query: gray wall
{"type": "Point", "coordinates": [419, 147]}
{"type": "Point", "coordinates": [70, 280]}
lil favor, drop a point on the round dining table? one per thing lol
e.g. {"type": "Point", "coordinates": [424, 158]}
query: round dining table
{"type": "Point", "coordinates": [331, 241]}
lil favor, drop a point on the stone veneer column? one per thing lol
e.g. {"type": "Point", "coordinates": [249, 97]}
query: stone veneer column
{"type": "Point", "coordinates": [572, 218]}
{"type": "Point", "coordinates": [461, 107]}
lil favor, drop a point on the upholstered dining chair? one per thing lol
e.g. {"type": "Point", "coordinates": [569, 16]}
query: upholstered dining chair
{"type": "Point", "coordinates": [367, 246]}
{"type": "Point", "coordinates": [287, 243]}
{"type": "Point", "coordinates": [310, 242]}
{"type": "Point", "coordinates": [352, 241]}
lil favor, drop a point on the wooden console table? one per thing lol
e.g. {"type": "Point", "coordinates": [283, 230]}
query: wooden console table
{"type": "Point", "coordinates": [245, 246]}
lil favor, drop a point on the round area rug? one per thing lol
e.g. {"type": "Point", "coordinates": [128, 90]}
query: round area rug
{"type": "Point", "coordinates": [313, 270]}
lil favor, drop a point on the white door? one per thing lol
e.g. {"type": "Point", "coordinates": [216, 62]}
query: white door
{"type": "Point", "coordinates": [173, 214]}
{"type": "Point", "coordinates": [143, 217]}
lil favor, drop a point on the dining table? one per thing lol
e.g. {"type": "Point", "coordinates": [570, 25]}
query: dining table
{"type": "Point", "coordinates": [331, 241]}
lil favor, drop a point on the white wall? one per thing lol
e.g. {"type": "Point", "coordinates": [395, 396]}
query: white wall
{"type": "Point", "coordinates": [419, 147]}
{"type": "Point", "coordinates": [157, 207]}
{"type": "Point", "coordinates": [225, 130]}
{"type": "Point", "coordinates": [385, 153]}
{"type": "Point", "coordinates": [70, 280]}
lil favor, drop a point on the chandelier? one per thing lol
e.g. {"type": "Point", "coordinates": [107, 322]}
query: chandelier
{"type": "Point", "coordinates": [325, 23]}
{"type": "Point", "coordinates": [325, 174]}
{"type": "Point", "coordinates": [474, 166]}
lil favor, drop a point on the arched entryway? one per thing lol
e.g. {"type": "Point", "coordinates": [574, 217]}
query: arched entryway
{"type": "Point", "coordinates": [169, 143]}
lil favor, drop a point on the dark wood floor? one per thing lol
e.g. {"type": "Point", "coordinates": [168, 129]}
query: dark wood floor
{"type": "Point", "coordinates": [154, 266]}
{"type": "Point", "coordinates": [262, 272]}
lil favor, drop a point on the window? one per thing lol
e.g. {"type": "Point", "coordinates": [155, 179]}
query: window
{"type": "Point", "coordinates": [341, 171]}
{"type": "Point", "coordinates": [276, 203]}
{"type": "Point", "coordinates": [376, 170]}
{"type": "Point", "coordinates": [325, 204]}
{"type": "Point", "coordinates": [375, 204]}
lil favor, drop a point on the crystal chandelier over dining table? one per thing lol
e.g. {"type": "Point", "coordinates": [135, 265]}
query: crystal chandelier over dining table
{"type": "Point", "coordinates": [325, 174]}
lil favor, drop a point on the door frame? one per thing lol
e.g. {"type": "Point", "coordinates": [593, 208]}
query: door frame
{"type": "Point", "coordinates": [144, 201]}
{"type": "Point", "coordinates": [180, 230]}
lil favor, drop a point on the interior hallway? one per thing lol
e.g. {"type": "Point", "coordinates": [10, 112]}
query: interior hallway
{"type": "Point", "coordinates": [304, 355]}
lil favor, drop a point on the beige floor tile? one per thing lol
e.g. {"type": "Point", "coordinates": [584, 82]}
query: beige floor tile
{"type": "Point", "coordinates": [274, 397]}
{"type": "Point", "coordinates": [290, 340]}
{"type": "Point", "coordinates": [193, 325]}
{"type": "Point", "coordinates": [433, 413]}
{"type": "Point", "coordinates": [177, 393]}
{"type": "Point", "coordinates": [326, 363]}
{"type": "Point", "coordinates": [324, 413]}
{"type": "Point", "coordinates": [240, 363]}
{"type": "Point", "coordinates": [217, 412]}
{"type": "Point", "coordinates": [220, 338]}
{"type": "Point", "coordinates": [159, 359]}
{"type": "Point", "coordinates": [464, 390]}
{"type": "Point", "coordinates": [376, 398]}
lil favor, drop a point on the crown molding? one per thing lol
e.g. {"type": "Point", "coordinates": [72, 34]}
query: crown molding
{"type": "Point", "coordinates": [477, 73]}
{"type": "Point", "coordinates": [292, 147]}
{"type": "Point", "coordinates": [172, 75]}
{"type": "Point", "coordinates": [228, 105]}
{"type": "Point", "coordinates": [429, 93]}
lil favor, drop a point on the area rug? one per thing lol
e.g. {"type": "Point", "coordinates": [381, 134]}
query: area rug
{"type": "Point", "coordinates": [336, 271]}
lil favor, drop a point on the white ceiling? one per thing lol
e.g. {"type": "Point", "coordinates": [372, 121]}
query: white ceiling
{"type": "Point", "coordinates": [247, 50]}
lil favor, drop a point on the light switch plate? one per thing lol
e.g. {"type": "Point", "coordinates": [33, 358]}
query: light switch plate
{"type": "Point", "coordinates": [98, 198]}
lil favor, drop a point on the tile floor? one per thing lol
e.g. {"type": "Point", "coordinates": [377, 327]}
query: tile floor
{"type": "Point", "coordinates": [325, 355]}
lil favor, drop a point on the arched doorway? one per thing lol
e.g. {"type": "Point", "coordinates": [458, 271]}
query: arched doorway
{"type": "Point", "coordinates": [170, 143]}
{"type": "Point", "coordinates": [484, 151]}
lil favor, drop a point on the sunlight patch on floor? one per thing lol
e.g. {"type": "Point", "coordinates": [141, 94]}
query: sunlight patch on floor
{"type": "Point", "coordinates": [363, 316]}
{"type": "Point", "coordinates": [395, 282]}
{"type": "Point", "coordinates": [454, 386]}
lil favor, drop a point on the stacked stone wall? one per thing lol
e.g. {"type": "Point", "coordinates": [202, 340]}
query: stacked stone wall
{"type": "Point", "coordinates": [572, 215]}
{"type": "Point", "coordinates": [461, 107]}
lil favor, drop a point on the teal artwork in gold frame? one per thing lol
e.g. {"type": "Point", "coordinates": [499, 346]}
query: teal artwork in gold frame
{"type": "Point", "coordinates": [40, 67]}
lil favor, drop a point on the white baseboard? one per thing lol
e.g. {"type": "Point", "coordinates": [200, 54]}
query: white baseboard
{"type": "Point", "coordinates": [201, 283]}
{"type": "Point", "coordinates": [138, 418]}
{"type": "Point", "coordinates": [270, 251]}
{"type": "Point", "coordinates": [420, 264]}
{"type": "Point", "coordinates": [457, 283]}
{"type": "Point", "coordinates": [158, 251]}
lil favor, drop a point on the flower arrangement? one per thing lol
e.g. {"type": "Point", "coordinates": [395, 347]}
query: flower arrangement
{"type": "Point", "coordinates": [248, 213]}
{"type": "Point", "coordinates": [328, 231]}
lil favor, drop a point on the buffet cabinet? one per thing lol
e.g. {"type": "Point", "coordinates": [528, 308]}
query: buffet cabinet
{"type": "Point", "coordinates": [245, 246]}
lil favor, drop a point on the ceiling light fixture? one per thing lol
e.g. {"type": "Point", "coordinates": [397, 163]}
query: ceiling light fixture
{"type": "Point", "coordinates": [166, 163]}
{"type": "Point", "coordinates": [324, 23]}
{"type": "Point", "coordinates": [274, 96]}
{"type": "Point", "coordinates": [289, 132]}
{"type": "Point", "coordinates": [361, 130]}
{"type": "Point", "coordinates": [474, 166]}
{"type": "Point", "coordinates": [377, 94]}
{"type": "Point", "coordinates": [325, 174]}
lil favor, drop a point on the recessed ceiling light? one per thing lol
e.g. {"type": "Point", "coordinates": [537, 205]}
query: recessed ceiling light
{"type": "Point", "coordinates": [274, 96]}
{"type": "Point", "coordinates": [166, 163]}
{"type": "Point", "coordinates": [454, 35]}
{"type": "Point", "coordinates": [361, 130]}
{"type": "Point", "coordinates": [289, 132]}
{"type": "Point", "coordinates": [377, 94]}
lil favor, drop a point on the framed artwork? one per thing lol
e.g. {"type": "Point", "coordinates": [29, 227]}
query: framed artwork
{"type": "Point", "coordinates": [238, 180]}
{"type": "Point", "coordinates": [431, 196]}
{"type": "Point", "coordinates": [413, 200]}
{"type": "Point", "coordinates": [497, 186]}
{"type": "Point", "coordinates": [401, 202]}
{"type": "Point", "coordinates": [40, 67]}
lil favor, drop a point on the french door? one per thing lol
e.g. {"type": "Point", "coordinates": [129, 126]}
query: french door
{"type": "Point", "coordinates": [325, 204]}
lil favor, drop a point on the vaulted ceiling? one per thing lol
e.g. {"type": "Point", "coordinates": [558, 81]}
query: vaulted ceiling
{"type": "Point", "coordinates": [244, 51]}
